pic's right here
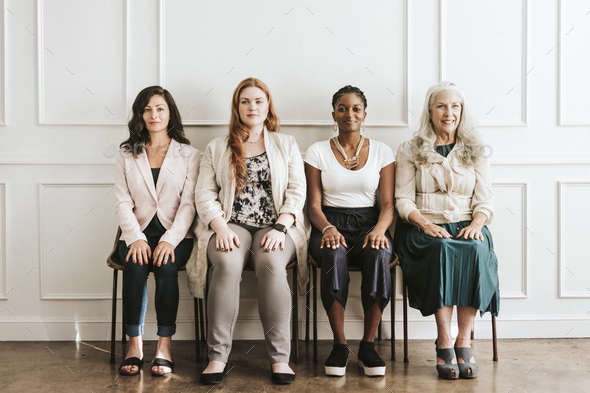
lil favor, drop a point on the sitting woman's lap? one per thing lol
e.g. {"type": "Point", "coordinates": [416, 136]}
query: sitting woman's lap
{"type": "Point", "coordinates": [444, 272]}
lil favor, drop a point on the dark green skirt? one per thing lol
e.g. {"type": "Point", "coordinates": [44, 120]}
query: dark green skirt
{"type": "Point", "coordinates": [448, 272]}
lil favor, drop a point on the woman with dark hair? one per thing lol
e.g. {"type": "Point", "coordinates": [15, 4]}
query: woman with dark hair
{"type": "Point", "coordinates": [155, 181]}
{"type": "Point", "coordinates": [250, 212]}
{"type": "Point", "coordinates": [443, 195]}
{"type": "Point", "coordinates": [350, 204]}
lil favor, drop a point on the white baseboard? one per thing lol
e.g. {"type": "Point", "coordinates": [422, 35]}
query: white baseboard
{"type": "Point", "coordinates": [95, 329]}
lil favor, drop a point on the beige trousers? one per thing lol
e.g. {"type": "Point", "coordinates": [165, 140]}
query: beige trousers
{"type": "Point", "coordinates": [274, 295]}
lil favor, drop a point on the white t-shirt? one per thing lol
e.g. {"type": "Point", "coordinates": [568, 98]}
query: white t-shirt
{"type": "Point", "coordinates": [345, 188]}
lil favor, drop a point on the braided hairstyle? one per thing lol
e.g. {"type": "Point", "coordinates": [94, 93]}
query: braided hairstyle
{"type": "Point", "coordinates": [348, 89]}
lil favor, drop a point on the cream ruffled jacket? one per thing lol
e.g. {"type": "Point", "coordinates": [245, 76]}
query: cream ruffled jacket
{"type": "Point", "coordinates": [445, 191]}
{"type": "Point", "coordinates": [215, 192]}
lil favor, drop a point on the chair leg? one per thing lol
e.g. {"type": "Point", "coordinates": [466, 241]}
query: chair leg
{"type": "Point", "coordinates": [197, 339]}
{"type": "Point", "coordinates": [307, 300]}
{"type": "Point", "coordinates": [114, 316]}
{"type": "Point", "coordinates": [392, 309]}
{"type": "Point", "coordinates": [295, 316]}
{"type": "Point", "coordinates": [405, 312]}
{"type": "Point", "coordinates": [495, 339]}
{"type": "Point", "coordinates": [202, 319]}
{"type": "Point", "coordinates": [315, 315]}
{"type": "Point", "coordinates": [123, 328]}
{"type": "Point", "coordinates": [380, 329]}
{"type": "Point", "coordinates": [206, 313]}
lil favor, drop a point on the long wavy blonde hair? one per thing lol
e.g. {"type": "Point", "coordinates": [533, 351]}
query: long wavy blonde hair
{"type": "Point", "coordinates": [467, 130]}
{"type": "Point", "coordinates": [238, 132]}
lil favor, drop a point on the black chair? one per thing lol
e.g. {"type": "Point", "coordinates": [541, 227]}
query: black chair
{"type": "Point", "coordinates": [314, 266]}
{"type": "Point", "coordinates": [405, 323]}
{"type": "Point", "coordinates": [116, 269]}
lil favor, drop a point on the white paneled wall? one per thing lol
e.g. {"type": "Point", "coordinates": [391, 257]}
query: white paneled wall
{"type": "Point", "coordinates": [70, 71]}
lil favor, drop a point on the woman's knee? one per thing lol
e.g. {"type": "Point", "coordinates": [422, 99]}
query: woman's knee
{"type": "Point", "coordinates": [333, 257]}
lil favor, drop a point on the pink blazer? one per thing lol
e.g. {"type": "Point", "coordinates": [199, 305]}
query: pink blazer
{"type": "Point", "coordinates": [173, 200]}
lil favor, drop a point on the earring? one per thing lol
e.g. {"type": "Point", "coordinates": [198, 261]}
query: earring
{"type": "Point", "coordinates": [335, 127]}
{"type": "Point", "coordinates": [363, 126]}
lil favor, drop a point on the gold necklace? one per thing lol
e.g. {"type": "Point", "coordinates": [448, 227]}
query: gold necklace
{"type": "Point", "coordinates": [259, 139]}
{"type": "Point", "coordinates": [353, 161]}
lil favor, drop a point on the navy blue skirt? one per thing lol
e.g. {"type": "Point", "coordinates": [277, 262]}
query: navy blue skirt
{"type": "Point", "coordinates": [448, 272]}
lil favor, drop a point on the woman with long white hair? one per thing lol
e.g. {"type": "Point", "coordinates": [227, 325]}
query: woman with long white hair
{"type": "Point", "coordinates": [443, 195]}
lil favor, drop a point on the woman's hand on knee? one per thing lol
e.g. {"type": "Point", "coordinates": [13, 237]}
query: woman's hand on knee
{"type": "Point", "coordinates": [162, 252]}
{"type": "Point", "coordinates": [434, 230]}
{"type": "Point", "coordinates": [139, 251]}
{"type": "Point", "coordinates": [473, 231]}
{"type": "Point", "coordinates": [225, 240]}
{"type": "Point", "coordinates": [377, 240]}
{"type": "Point", "coordinates": [332, 239]}
{"type": "Point", "coordinates": [272, 240]}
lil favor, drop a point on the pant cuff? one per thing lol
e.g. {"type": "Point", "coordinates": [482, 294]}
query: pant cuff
{"type": "Point", "coordinates": [134, 330]}
{"type": "Point", "coordinates": [166, 331]}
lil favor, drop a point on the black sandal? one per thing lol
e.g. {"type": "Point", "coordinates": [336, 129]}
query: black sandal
{"type": "Point", "coordinates": [131, 362]}
{"type": "Point", "coordinates": [164, 363]}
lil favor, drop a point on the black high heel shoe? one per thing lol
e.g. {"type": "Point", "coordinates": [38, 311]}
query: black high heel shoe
{"type": "Point", "coordinates": [281, 378]}
{"type": "Point", "coordinates": [213, 379]}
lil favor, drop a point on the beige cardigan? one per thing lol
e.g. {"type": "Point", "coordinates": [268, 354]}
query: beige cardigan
{"type": "Point", "coordinates": [214, 197]}
{"type": "Point", "coordinates": [445, 191]}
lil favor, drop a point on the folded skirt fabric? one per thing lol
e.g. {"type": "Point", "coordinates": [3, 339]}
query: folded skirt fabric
{"type": "Point", "coordinates": [448, 272]}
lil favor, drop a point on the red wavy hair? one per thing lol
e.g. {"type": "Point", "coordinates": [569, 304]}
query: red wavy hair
{"type": "Point", "coordinates": [238, 132]}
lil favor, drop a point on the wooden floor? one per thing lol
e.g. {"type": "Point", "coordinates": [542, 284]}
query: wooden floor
{"type": "Point", "coordinates": [540, 365]}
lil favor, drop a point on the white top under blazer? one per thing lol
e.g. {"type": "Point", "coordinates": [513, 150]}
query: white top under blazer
{"type": "Point", "coordinates": [345, 188]}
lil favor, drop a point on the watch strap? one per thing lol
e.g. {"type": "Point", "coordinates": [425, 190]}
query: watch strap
{"type": "Point", "coordinates": [280, 228]}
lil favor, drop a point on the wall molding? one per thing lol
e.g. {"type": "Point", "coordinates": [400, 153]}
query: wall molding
{"type": "Point", "coordinates": [3, 29]}
{"type": "Point", "coordinates": [562, 294]}
{"type": "Point", "coordinates": [300, 123]}
{"type": "Point", "coordinates": [96, 328]}
{"type": "Point", "coordinates": [560, 35]}
{"type": "Point", "coordinates": [43, 248]}
{"type": "Point", "coordinates": [41, 69]}
{"type": "Point", "coordinates": [523, 294]}
{"type": "Point", "coordinates": [3, 249]}
{"type": "Point", "coordinates": [442, 60]}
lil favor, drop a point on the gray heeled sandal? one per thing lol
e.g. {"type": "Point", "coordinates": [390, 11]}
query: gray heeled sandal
{"type": "Point", "coordinates": [446, 370]}
{"type": "Point", "coordinates": [466, 354]}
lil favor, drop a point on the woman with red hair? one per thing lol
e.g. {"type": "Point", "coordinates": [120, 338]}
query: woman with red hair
{"type": "Point", "coordinates": [250, 212]}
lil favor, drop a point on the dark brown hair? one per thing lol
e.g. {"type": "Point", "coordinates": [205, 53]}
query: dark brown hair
{"type": "Point", "coordinates": [139, 136]}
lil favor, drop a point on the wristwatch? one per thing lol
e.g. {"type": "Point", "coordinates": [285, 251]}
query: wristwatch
{"type": "Point", "coordinates": [280, 228]}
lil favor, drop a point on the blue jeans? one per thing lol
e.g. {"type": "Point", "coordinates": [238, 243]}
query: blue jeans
{"type": "Point", "coordinates": [135, 288]}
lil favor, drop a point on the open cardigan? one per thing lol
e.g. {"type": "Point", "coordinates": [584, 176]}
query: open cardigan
{"type": "Point", "coordinates": [215, 192]}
